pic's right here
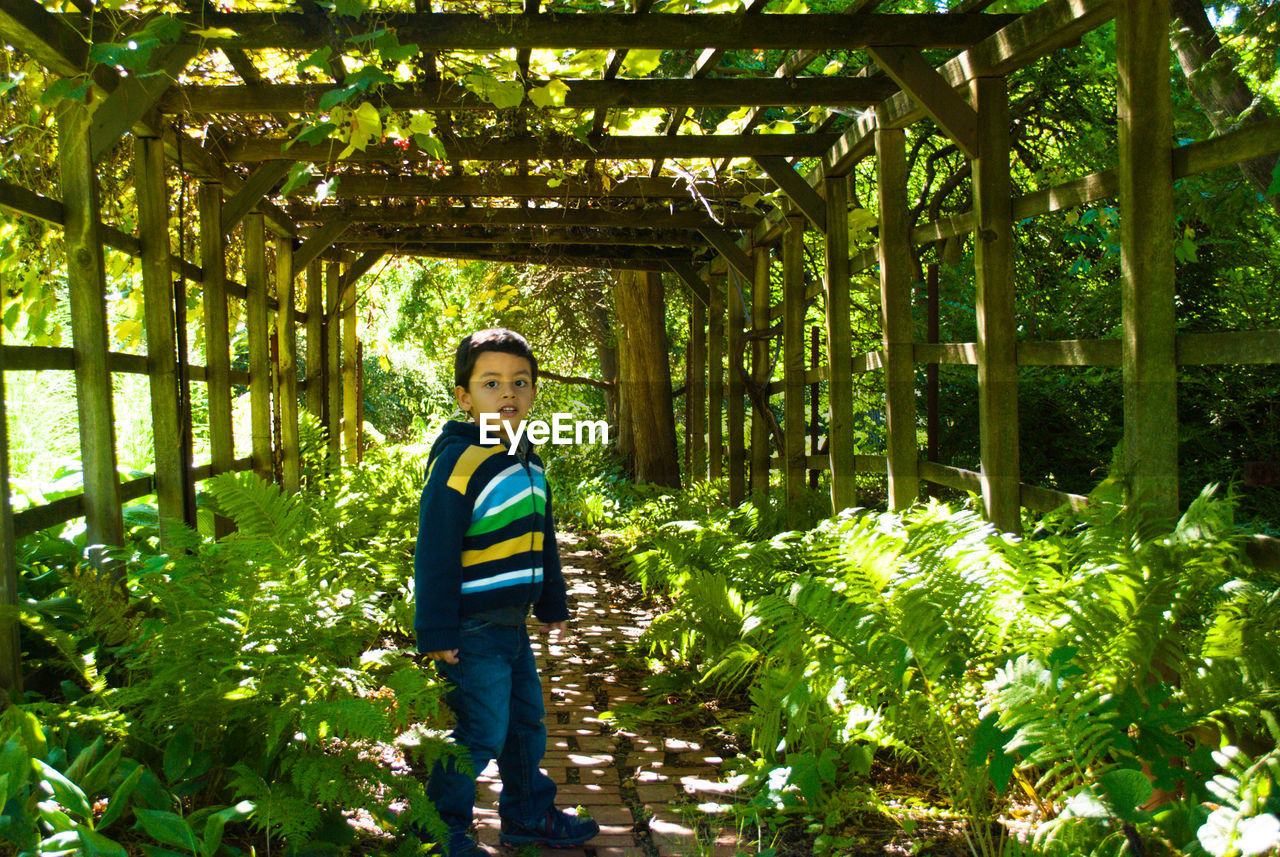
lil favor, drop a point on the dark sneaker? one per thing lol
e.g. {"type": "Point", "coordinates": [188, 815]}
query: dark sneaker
{"type": "Point", "coordinates": [558, 829]}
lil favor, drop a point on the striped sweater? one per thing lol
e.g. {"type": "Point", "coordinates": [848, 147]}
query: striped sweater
{"type": "Point", "coordinates": [485, 538]}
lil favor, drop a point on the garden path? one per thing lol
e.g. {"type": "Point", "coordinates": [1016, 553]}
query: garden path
{"type": "Point", "coordinates": [643, 784]}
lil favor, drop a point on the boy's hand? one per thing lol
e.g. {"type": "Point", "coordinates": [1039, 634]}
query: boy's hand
{"type": "Point", "coordinates": [561, 628]}
{"type": "Point", "coordinates": [449, 656]}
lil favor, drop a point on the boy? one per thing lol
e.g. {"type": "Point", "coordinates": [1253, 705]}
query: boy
{"type": "Point", "coordinates": [486, 555]}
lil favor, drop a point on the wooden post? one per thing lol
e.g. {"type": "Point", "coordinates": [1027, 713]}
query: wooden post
{"type": "Point", "coordinates": [793, 428]}
{"type": "Point", "coordinates": [840, 445]}
{"type": "Point", "coordinates": [255, 275]}
{"type": "Point", "coordinates": [715, 377]}
{"type": "Point", "coordinates": [760, 297]}
{"type": "Point", "coordinates": [87, 284]}
{"type": "Point", "coordinates": [10, 645]}
{"type": "Point", "coordinates": [162, 358]}
{"type": "Point", "coordinates": [333, 359]}
{"type": "Point", "coordinates": [735, 413]}
{"type": "Point", "coordinates": [287, 367]}
{"type": "Point", "coordinates": [1145, 171]}
{"type": "Point", "coordinates": [933, 429]}
{"type": "Point", "coordinates": [217, 336]}
{"type": "Point", "coordinates": [315, 341]}
{"type": "Point", "coordinates": [997, 339]}
{"type": "Point", "coordinates": [350, 357]}
{"type": "Point", "coordinates": [814, 416]}
{"type": "Point", "coordinates": [895, 303]}
{"type": "Point", "coordinates": [696, 392]}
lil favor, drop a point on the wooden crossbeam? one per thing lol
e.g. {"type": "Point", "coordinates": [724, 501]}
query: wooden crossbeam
{"type": "Point", "coordinates": [544, 235]}
{"type": "Point", "coordinates": [729, 249]}
{"type": "Point", "coordinates": [582, 94]}
{"type": "Point", "coordinates": [919, 79]}
{"type": "Point", "coordinates": [260, 182]}
{"type": "Point", "coordinates": [454, 32]}
{"type": "Point", "coordinates": [537, 148]}
{"type": "Point", "coordinates": [135, 95]}
{"type": "Point", "coordinates": [630, 218]}
{"type": "Point", "coordinates": [497, 185]}
{"type": "Point", "coordinates": [319, 241]}
{"type": "Point", "coordinates": [45, 37]}
{"type": "Point", "coordinates": [800, 192]}
{"type": "Point", "coordinates": [551, 256]}
{"type": "Point", "coordinates": [689, 276]}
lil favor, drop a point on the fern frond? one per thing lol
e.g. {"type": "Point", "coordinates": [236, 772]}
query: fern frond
{"type": "Point", "coordinates": [262, 510]}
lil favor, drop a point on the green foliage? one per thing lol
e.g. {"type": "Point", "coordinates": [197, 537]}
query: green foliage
{"type": "Point", "coordinates": [1088, 664]}
{"type": "Point", "coordinates": [268, 667]}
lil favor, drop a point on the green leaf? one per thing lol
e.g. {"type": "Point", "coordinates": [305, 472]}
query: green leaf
{"type": "Point", "coordinates": [97, 845]}
{"type": "Point", "coordinates": [215, 823]}
{"type": "Point", "coordinates": [119, 802]}
{"type": "Point", "coordinates": [74, 88]}
{"type": "Point", "coordinates": [168, 828]}
{"type": "Point", "coordinates": [1275, 181]}
{"type": "Point", "coordinates": [178, 753]}
{"type": "Point", "coordinates": [317, 59]}
{"type": "Point", "coordinates": [640, 63]}
{"type": "Point", "coordinates": [63, 790]}
{"type": "Point", "coordinates": [334, 97]}
{"type": "Point", "coordinates": [551, 95]}
{"type": "Point", "coordinates": [350, 8]}
{"type": "Point", "coordinates": [299, 174]}
{"type": "Point", "coordinates": [1126, 790]}
{"type": "Point", "coordinates": [500, 93]}
{"type": "Point", "coordinates": [84, 761]}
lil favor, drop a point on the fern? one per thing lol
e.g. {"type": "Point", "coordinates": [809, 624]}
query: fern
{"type": "Point", "coordinates": [262, 510]}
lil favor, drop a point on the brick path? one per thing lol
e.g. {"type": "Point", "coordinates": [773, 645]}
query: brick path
{"type": "Point", "coordinates": [642, 788]}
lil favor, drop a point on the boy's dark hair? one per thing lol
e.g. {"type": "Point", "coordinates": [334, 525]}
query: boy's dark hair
{"type": "Point", "coordinates": [490, 339]}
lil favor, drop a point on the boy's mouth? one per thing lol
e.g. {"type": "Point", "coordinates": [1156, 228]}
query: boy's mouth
{"type": "Point", "coordinates": [508, 411]}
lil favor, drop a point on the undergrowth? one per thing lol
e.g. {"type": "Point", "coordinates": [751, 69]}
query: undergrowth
{"type": "Point", "coordinates": [216, 694]}
{"type": "Point", "coordinates": [1104, 686]}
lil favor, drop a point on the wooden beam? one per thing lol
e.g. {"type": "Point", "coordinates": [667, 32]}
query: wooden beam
{"type": "Point", "coordinates": [217, 336]}
{"type": "Point", "coordinates": [696, 388]}
{"type": "Point", "coordinates": [315, 338]}
{"type": "Point", "coordinates": [735, 390]}
{"type": "Point", "coordinates": [333, 360]}
{"type": "Point", "coordinates": [918, 78]}
{"type": "Point", "coordinates": [582, 95]}
{"type": "Point", "coordinates": [760, 429]}
{"type": "Point", "coordinates": [728, 31]}
{"type": "Point", "coordinates": [688, 274]}
{"type": "Point", "coordinates": [715, 379]}
{"type": "Point", "coordinates": [350, 356]}
{"type": "Point", "coordinates": [494, 184]}
{"type": "Point", "coordinates": [1145, 112]}
{"type": "Point", "coordinates": [725, 244]}
{"type": "Point", "coordinates": [997, 327]}
{"type": "Point", "coordinates": [577, 256]}
{"type": "Point", "coordinates": [43, 36]}
{"type": "Point", "coordinates": [319, 241]}
{"type": "Point", "coordinates": [358, 269]}
{"type": "Point", "coordinates": [256, 321]}
{"type": "Point", "coordinates": [254, 150]}
{"type": "Point", "coordinates": [793, 313]}
{"type": "Point", "coordinates": [896, 271]}
{"type": "Point", "coordinates": [162, 355]}
{"type": "Point", "coordinates": [612, 237]}
{"type": "Point", "coordinates": [457, 215]}
{"type": "Point", "coordinates": [287, 368]}
{"type": "Point", "coordinates": [841, 446]}
{"type": "Point", "coordinates": [260, 182]}
{"type": "Point", "coordinates": [87, 286]}
{"type": "Point", "coordinates": [1245, 347]}
{"type": "Point", "coordinates": [134, 96]}
{"type": "Point", "coordinates": [10, 642]}
{"type": "Point", "coordinates": [800, 192]}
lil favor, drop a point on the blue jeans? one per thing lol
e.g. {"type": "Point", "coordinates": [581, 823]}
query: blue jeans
{"type": "Point", "coordinates": [496, 699]}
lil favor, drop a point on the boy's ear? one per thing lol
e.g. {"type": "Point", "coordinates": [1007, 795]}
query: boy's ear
{"type": "Point", "coordinates": [463, 397]}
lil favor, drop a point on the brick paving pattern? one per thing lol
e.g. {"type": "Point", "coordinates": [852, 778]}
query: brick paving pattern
{"type": "Point", "coordinates": [643, 789]}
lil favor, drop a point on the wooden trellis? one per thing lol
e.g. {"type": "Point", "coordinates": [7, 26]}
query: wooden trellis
{"type": "Point", "coordinates": [644, 223]}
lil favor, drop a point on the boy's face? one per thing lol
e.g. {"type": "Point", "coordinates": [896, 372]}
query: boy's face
{"type": "Point", "coordinates": [500, 384]}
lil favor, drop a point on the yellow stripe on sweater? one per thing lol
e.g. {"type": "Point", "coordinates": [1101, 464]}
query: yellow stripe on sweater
{"type": "Point", "coordinates": [502, 550]}
{"type": "Point", "coordinates": [467, 464]}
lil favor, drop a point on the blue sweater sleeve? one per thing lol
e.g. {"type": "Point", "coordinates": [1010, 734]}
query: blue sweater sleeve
{"type": "Point", "coordinates": [551, 606]}
{"type": "Point", "coordinates": [443, 517]}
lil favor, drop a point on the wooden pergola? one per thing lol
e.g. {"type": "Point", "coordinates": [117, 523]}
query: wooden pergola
{"type": "Point", "coordinates": [642, 224]}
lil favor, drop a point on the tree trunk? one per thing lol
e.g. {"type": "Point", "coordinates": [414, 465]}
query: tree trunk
{"type": "Point", "coordinates": [607, 352]}
{"type": "Point", "coordinates": [1220, 90]}
{"type": "Point", "coordinates": [641, 311]}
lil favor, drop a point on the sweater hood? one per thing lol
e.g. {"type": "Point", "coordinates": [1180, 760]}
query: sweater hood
{"type": "Point", "coordinates": [468, 434]}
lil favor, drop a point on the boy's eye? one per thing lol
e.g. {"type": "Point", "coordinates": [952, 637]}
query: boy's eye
{"type": "Point", "coordinates": [521, 382]}
{"type": "Point", "coordinates": [490, 384]}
